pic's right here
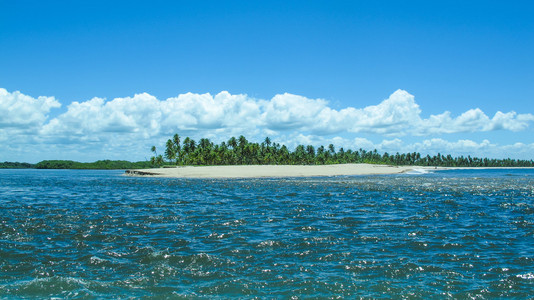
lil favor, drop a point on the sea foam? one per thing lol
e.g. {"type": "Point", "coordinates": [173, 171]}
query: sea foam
{"type": "Point", "coordinates": [419, 172]}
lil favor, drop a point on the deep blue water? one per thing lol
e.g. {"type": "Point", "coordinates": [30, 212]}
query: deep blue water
{"type": "Point", "coordinates": [97, 234]}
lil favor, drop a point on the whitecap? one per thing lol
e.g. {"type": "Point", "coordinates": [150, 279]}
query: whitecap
{"type": "Point", "coordinates": [418, 172]}
{"type": "Point", "coordinates": [525, 276]}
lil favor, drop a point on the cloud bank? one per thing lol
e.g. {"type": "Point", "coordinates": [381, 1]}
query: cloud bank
{"type": "Point", "coordinates": [144, 119]}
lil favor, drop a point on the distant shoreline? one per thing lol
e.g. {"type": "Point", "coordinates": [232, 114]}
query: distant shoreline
{"type": "Point", "coordinates": [276, 171]}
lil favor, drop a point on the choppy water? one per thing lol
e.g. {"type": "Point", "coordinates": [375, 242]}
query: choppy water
{"type": "Point", "coordinates": [455, 234]}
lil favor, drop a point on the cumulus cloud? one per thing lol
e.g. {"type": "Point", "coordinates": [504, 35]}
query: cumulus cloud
{"type": "Point", "coordinates": [395, 115]}
{"type": "Point", "coordinates": [21, 111]}
{"type": "Point", "coordinates": [433, 146]}
{"type": "Point", "coordinates": [143, 119]}
{"type": "Point", "coordinates": [288, 112]}
{"type": "Point", "coordinates": [97, 118]}
{"type": "Point", "coordinates": [398, 115]}
{"type": "Point", "coordinates": [465, 147]}
{"type": "Point", "coordinates": [436, 145]}
{"type": "Point", "coordinates": [145, 116]}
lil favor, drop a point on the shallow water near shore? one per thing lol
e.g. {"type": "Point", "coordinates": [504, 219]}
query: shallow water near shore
{"type": "Point", "coordinates": [86, 234]}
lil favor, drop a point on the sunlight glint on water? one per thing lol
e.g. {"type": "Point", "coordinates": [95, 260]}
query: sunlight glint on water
{"type": "Point", "coordinates": [96, 233]}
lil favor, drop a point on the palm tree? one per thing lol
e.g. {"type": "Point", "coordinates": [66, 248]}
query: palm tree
{"type": "Point", "coordinates": [177, 147]}
{"type": "Point", "coordinates": [267, 141]}
{"type": "Point", "coordinates": [170, 151]}
{"type": "Point", "coordinates": [299, 155]}
{"type": "Point", "coordinates": [173, 149]}
{"type": "Point", "coordinates": [310, 151]}
{"type": "Point", "coordinates": [241, 151]}
{"type": "Point", "coordinates": [232, 142]}
{"type": "Point", "coordinates": [331, 149]}
{"type": "Point", "coordinates": [159, 160]}
{"type": "Point", "coordinates": [241, 148]}
{"type": "Point", "coordinates": [156, 160]}
{"type": "Point", "coordinates": [242, 141]}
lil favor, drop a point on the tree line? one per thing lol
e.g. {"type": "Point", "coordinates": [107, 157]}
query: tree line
{"type": "Point", "coordinates": [70, 164]}
{"type": "Point", "coordinates": [97, 165]}
{"type": "Point", "coordinates": [16, 165]}
{"type": "Point", "coordinates": [239, 151]}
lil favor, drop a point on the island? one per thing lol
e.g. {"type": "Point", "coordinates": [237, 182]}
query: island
{"type": "Point", "coordinates": [239, 158]}
{"type": "Point", "coordinates": [275, 171]}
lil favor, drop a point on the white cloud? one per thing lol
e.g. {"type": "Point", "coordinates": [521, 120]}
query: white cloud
{"type": "Point", "coordinates": [287, 111]}
{"type": "Point", "coordinates": [465, 147]}
{"type": "Point", "coordinates": [391, 144]}
{"type": "Point", "coordinates": [24, 112]}
{"type": "Point", "coordinates": [510, 121]}
{"type": "Point", "coordinates": [395, 115]}
{"type": "Point", "coordinates": [474, 120]}
{"type": "Point", "coordinates": [145, 116]}
{"type": "Point", "coordinates": [98, 119]}
{"type": "Point", "coordinates": [399, 115]}
{"type": "Point", "coordinates": [141, 120]}
{"type": "Point", "coordinates": [362, 143]}
{"type": "Point", "coordinates": [392, 116]}
{"type": "Point", "coordinates": [436, 145]}
{"type": "Point", "coordinates": [433, 146]}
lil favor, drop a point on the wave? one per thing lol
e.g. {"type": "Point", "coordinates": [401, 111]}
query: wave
{"type": "Point", "coordinates": [419, 172]}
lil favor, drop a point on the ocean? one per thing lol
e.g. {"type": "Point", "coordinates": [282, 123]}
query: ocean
{"type": "Point", "coordinates": [98, 234]}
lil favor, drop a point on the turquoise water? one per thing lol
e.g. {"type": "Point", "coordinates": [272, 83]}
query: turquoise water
{"type": "Point", "coordinates": [97, 234]}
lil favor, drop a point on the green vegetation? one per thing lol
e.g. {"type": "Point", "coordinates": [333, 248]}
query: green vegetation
{"type": "Point", "coordinates": [239, 151]}
{"type": "Point", "coordinates": [242, 152]}
{"type": "Point", "coordinates": [100, 165]}
{"type": "Point", "coordinates": [69, 164]}
{"type": "Point", "coordinates": [15, 165]}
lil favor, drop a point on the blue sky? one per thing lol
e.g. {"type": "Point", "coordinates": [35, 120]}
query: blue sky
{"type": "Point", "coordinates": [428, 76]}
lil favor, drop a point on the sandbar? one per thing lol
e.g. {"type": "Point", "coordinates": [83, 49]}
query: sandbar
{"type": "Point", "coordinates": [275, 171]}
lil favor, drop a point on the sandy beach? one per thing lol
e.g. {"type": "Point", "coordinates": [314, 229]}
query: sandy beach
{"type": "Point", "coordinates": [259, 171]}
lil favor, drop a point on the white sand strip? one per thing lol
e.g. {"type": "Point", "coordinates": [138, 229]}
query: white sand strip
{"type": "Point", "coordinates": [258, 171]}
